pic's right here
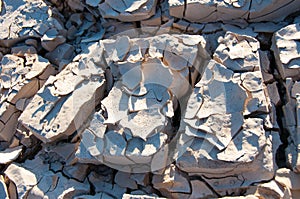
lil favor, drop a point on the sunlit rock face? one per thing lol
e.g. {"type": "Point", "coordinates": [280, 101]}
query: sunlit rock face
{"type": "Point", "coordinates": [203, 11]}
{"type": "Point", "coordinates": [149, 99]}
{"type": "Point", "coordinates": [223, 132]}
{"type": "Point", "coordinates": [137, 121]}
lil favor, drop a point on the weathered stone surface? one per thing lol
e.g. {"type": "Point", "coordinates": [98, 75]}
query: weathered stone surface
{"type": "Point", "coordinates": [178, 116]}
{"type": "Point", "coordinates": [238, 52]}
{"type": "Point", "coordinates": [142, 102]}
{"type": "Point", "coordinates": [65, 101]}
{"type": "Point", "coordinates": [291, 123]}
{"type": "Point", "coordinates": [25, 19]}
{"type": "Point", "coordinates": [128, 10]}
{"type": "Point", "coordinates": [24, 179]}
{"type": "Point", "coordinates": [133, 196]}
{"type": "Point", "coordinates": [21, 78]}
{"type": "Point", "coordinates": [288, 178]}
{"type": "Point", "coordinates": [272, 189]}
{"type": "Point", "coordinates": [10, 154]}
{"type": "Point", "coordinates": [33, 179]}
{"type": "Point", "coordinates": [200, 190]}
{"type": "Point", "coordinates": [216, 140]}
{"type": "Point", "coordinates": [227, 11]}
{"type": "Point", "coordinates": [172, 181]}
{"type": "Point", "coordinates": [285, 45]}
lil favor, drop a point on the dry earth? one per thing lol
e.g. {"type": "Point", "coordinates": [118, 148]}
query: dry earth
{"type": "Point", "coordinates": [142, 99]}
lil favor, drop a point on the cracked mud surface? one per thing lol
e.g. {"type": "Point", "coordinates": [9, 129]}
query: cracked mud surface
{"type": "Point", "coordinates": [149, 99]}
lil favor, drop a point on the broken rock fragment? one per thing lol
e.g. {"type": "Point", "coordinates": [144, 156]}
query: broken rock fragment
{"type": "Point", "coordinates": [21, 78]}
{"type": "Point", "coordinates": [10, 154]}
{"type": "Point", "coordinates": [65, 101]}
{"type": "Point", "coordinates": [291, 123]}
{"type": "Point", "coordinates": [285, 45]}
{"type": "Point", "coordinates": [25, 19]}
{"type": "Point", "coordinates": [214, 130]}
{"type": "Point", "coordinates": [227, 11]}
{"type": "Point", "coordinates": [33, 179]}
{"type": "Point", "coordinates": [172, 182]}
{"type": "Point", "coordinates": [128, 10]}
{"type": "Point", "coordinates": [132, 130]}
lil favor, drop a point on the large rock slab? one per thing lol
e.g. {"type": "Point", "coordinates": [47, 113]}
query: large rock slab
{"type": "Point", "coordinates": [222, 132]}
{"type": "Point", "coordinates": [203, 11]}
{"type": "Point", "coordinates": [21, 78]}
{"type": "Point", "coordinates": [136, 123]}
{"type": "Point", "coordinates": [34, 179]}
{"type": "Point", "coordinates": [291, 117]}
{"type": "Point", "coordinates": [24, 19]}
{"type": "Point", "coordinates": [128, 10]}
{"type": "Point", "coordinates": [64, 103]}
{"type": "Point", "coordinates": [286, 48]}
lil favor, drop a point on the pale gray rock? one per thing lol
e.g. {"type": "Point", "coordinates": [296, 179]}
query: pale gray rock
{"type": "Point", "coordinates": [106, 186]}
{"type": "Point", "coordinates": [33, 179]}
{"type": "Point", "coordinates": [21, 78]}
{"type": "Point", "coordinates": [216, 140]}
{"type": "Point", "coordinates": [123, 180]}
{"type": "Point", "coordinates": [61, 55]}
{"type": "Point", "coordinates": [59, 98]}
{"type": "Point", "coordinates": [128, 10]}
{"type": "Point", "coordinates": [10, 154]}
{"type": "Point", "coordinates": [272, 189]}
{"type": "Point", "coordinates": [93, 3]}
{"type": "Point", "coordinates": [291, 122]}
{"type": "Point", "coordinates": [200, 190]}
{"type": "Point", "coordinates": [230, 11]}
{"type": "Point", "coordinates": [134, 196]}
{"type": "Point", "coordinates": [288, 178]}
{"type": "Point", "coordinates": [171, 181]}
{"type": "Point", "coordinates": [151, 75]}
{"type": "Point", "coordinates": [51, 39]}
{"type": "Point", "coordinates": [285, 45]}
{"type": "Point", "coordinates": [25, 19]}
{"type": "Point", "coordinates": [24, 179]}
{"type": "Point", "coordinates": [238, 52]}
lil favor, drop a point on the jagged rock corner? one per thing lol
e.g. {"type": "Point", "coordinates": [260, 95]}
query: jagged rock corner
{"type": "Point", "coordinates": [144, 99]}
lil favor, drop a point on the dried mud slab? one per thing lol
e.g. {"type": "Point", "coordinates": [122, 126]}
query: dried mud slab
{"type": "Point", "coordinates": [291, 123]}
{"type": "Point", "coordinates": [112, 99]}
{"type": "Point", "coordinates": [224, 132]}
{"type": "Point", "coordinates": [286, 48]}
{"type": "Point", "coordinates": [66, 100]}
{"type": "Point", "coordinates": [136, 123]}
{"type": "Point", "coordinates": [203, 11]}
{"type": "Point", "coordinates": [127, 10]}
{"type": "Point", "coordinates": [21, 78]}
{"type": "Point", "coordinates": [48, 175]}
{"type": "Point", "coordinates": [30, 19]}
{"type": "Point", "coordinates": [286, 51]}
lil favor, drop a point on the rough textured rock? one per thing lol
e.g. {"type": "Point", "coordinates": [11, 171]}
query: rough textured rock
{"type": "Point", "coordinates": [285, 45]}
{"type": "Point", "coordinates": [149, 99]}
{"type": "Point", "coordinates": [136, 124]}
{"type": "Point", "coordinates": [227, 11]}
{"type": "Point", "coordinates": [217, 141]}
{"type": "Point", "coordinates": [291, 123]}
{"type": "Point", "coordinates": [21, 78]}
{"type": "Point", "coordinates": [65, 101]}
{"type": "Point", "coordinates": [24, 19]}
{"type": "Point", "coordinates": [127, 10]}
{"type": "Point", "coordinates": [10, 154]}
{"type": "Point", "coordinates": [33, 179]}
